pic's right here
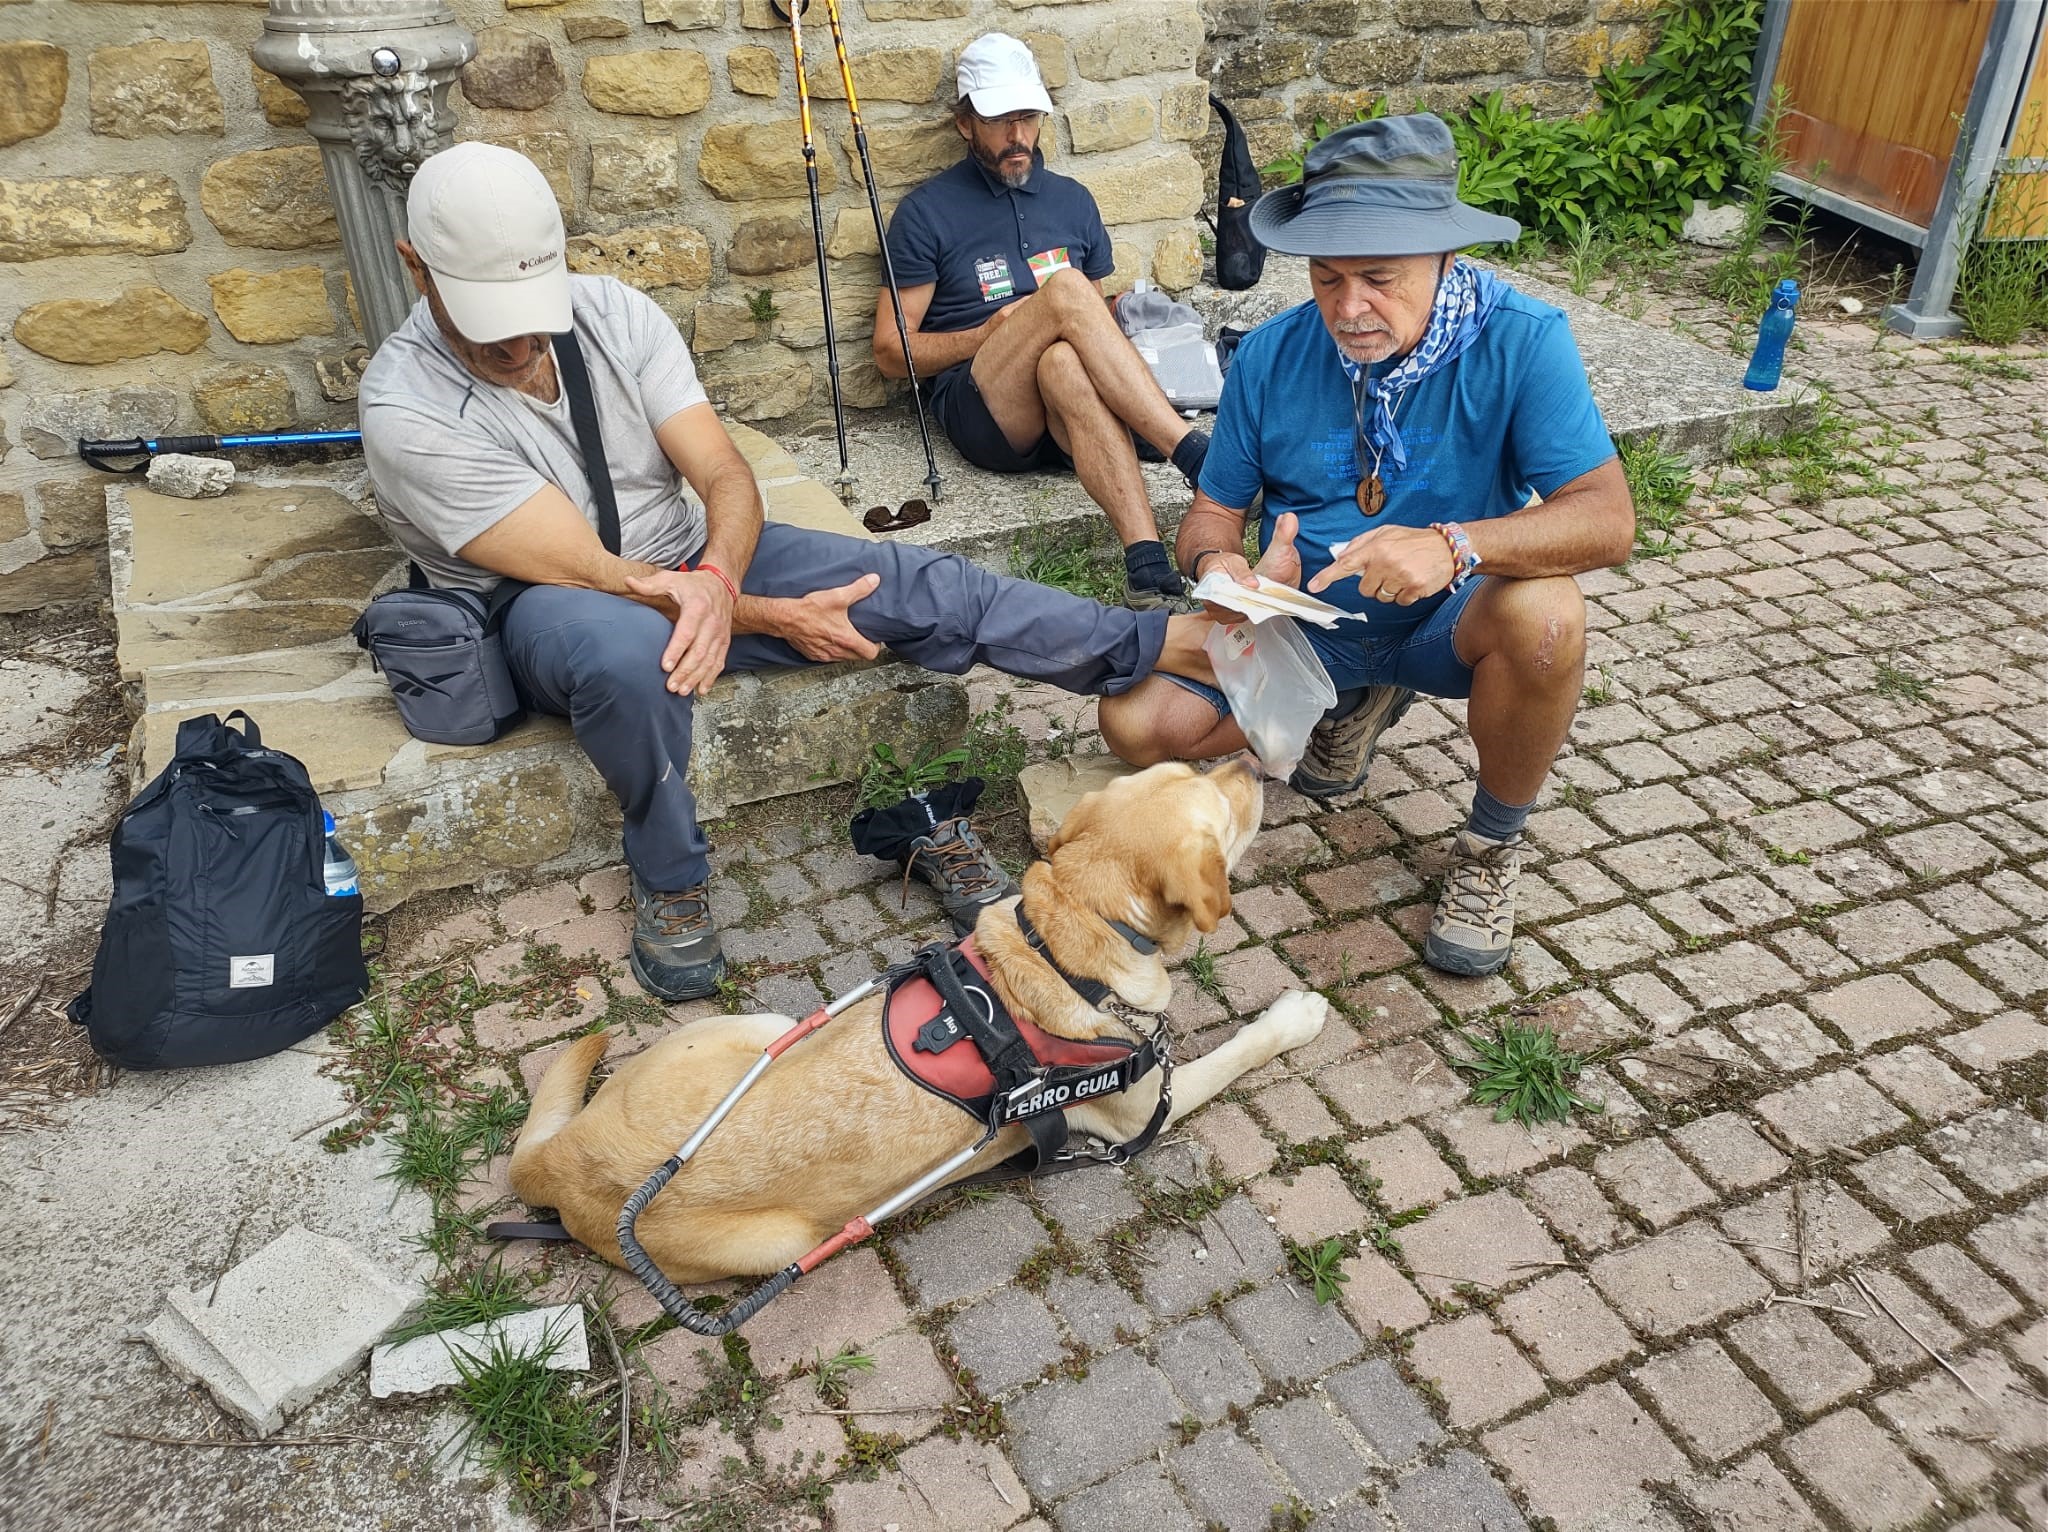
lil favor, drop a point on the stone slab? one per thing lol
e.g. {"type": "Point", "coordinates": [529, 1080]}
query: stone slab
{"type": "Point", "coordinates": [1051, 788]}
{"type": "Point", "coordinates": [556, 1336]}
{"type": "Point", "coordinates": [281, 1327]}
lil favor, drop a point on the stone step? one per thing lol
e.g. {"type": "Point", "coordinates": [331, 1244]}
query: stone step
{"type": "Point", "coordinates": [245, 601]}
{"type": "Point", "coordinates": [1650, 384]}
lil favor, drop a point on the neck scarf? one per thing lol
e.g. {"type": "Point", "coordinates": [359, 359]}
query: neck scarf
{"type": "Point", "coordinates": [1465, 300]}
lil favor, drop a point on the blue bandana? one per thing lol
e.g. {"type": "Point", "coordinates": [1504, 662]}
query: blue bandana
{"type": "Point", "coordinates": [1465, 300]}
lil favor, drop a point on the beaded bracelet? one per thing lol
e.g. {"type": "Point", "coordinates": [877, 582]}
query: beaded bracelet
{"type": "Point", "coordinates": [1464, 562]}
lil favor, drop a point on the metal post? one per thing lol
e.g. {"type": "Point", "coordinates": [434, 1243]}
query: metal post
{"type": "Point", "coordinates": [375, 75]}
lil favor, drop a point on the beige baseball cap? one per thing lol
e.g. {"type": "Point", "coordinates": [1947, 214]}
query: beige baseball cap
{"type": "Point", "coordinates": [998, 76]}
{"type": "Point", "coordinates": [485, 222]}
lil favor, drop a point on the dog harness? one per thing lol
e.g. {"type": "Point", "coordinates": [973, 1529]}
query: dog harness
{"type": "Point", "coordinates": [1010, 1070]}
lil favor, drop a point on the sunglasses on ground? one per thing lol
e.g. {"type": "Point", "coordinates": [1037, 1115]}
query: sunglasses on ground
{"type": "Point", "coordinates": [911, 513]}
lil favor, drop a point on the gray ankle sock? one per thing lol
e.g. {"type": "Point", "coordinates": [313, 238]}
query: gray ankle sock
{"type": "Point", "coordinates": [1493, 819]}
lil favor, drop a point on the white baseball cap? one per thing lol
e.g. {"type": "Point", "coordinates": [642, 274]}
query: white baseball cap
{"type": "Point", "coordinates": [998, 76]}
{"type": "Point", "coordinates": [485, 222]}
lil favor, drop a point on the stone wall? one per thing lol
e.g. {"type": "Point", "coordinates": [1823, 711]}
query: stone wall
{"type": "Point", "coordinates": [1281, 64]}
{"type": "Point", "coordinates": [169, 260]}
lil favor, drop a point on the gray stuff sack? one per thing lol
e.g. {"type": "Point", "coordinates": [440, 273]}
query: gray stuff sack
{"type": "Point", "coordinates": [443, 655]}
{"type": "Point", "coordinates": [1168, 335]}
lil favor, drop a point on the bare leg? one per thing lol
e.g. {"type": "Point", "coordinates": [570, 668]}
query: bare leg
{"type": "Point", "coordinates": [1526, 643]}
{"type": "Point", "coordinates": [1157, 721]}
{"type": "Point", "coordinates": [1097, 441]}
{"type": "Point", "coordinates": [1067, 308]}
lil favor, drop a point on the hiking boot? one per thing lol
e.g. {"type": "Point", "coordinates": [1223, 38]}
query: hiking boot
{"type": "Point", "coordinates": [1150, 598]}
{"type": "Point", "coordinates": [953, 860]}
{"type": "Point", "coordinates": [675, 953]}
{"type": "Point", "coordinates": [1474, 924]}
{"type": "Point", "coordinates": [1339, 752]}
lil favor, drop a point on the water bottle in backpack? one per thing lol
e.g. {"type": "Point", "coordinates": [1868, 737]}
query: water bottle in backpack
{"type": "Point", "coordinates": [340, 867]}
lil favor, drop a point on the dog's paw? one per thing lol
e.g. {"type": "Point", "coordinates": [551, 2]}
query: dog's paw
{"type": "Point", "coordinates": [1297, 1017]}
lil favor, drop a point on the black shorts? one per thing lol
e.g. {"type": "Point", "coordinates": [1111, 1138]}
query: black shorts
{"type": "Point", "coordinates": [962, 413]}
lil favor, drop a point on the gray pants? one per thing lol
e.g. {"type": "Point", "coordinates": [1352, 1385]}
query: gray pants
{"type": "Point", "coordinates": [596, 660]}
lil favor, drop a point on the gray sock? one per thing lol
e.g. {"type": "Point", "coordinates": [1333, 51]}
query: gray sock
{"type": "Point", "coordinates": [1493, 819]}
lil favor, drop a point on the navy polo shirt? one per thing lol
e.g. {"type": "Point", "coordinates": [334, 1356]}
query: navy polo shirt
{"type": "Point", "coordinates": [984, 245]}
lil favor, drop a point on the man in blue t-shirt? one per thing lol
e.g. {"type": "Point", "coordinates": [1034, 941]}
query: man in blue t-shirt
{"type": "Point", "coordinates": [1398, 427]}
{"type": "Point", "coordinates": [1000, 264]}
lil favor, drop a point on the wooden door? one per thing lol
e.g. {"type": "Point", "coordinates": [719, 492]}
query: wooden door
{"type": "Point", "coordinates": [1874, 93]}
{"type": "Point", "coordinates": [2019, 206]}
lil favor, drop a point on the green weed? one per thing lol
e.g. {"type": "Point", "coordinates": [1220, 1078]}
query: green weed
{"type": "Point", "coordinates": [1071, 561]}
{"type": "Point", "coordinates": [835, 1372]}
{"type": "Point", "coordinates": [533, 1425]}
{"type": "Point", "coordinates": [762, 306]}
{"type": "Point", "coordinates": [1660, 483]}
{"type": "Point", "coordinates": [1524, 1074]}
{"type": "Point", "coordinates": [1894, 682]}
{"type": "Point", "coordinates": [1202, 969]}
{"type": "Point", "coordinates": [475, 1297]}
{"type": "Point", "coordinates": [888, 778]}
{"type": "Point", "coordinates": [1321, 1267]}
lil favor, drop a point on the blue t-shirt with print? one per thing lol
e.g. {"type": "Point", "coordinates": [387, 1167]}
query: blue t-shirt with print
{"type": "Point", "coordinates": [984, 245]}
{"type": "Point", "coordinates": [1514, 415]}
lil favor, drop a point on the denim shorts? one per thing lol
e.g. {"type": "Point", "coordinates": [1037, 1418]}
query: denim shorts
{"type": "Point", "coordinates": [1422, 656]}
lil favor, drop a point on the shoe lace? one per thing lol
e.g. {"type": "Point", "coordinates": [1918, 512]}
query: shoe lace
{"type": "Point", "coordinates": [1481, 882]}
{"type": "Point", "coordinates": [962, 862]}
{"type": "Point", "coordinates": [682, 913]}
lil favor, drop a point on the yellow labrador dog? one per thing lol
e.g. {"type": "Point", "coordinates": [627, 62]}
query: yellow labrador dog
{"type": "Point", "coordinates": [833, 1128]}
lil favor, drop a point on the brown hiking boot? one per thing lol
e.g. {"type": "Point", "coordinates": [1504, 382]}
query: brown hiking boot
{"type": "Point", "coordinates": [1340, 750]}
{"type": "Point", "coordinates": [1474, 926]}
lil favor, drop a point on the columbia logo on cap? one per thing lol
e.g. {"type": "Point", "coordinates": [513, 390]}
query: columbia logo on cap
{"type": "Point", "coordinates": [539, 260]}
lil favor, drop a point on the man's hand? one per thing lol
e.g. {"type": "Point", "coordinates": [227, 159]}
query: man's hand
{"type": "Point", "coordinates": [819, 628]}
{"type": "Point", "coordinates": [1281, 562]}
{"type": "Point", "coordinates": [696, 650]}
{"type": "Point", "coordinates": [1398, 564]}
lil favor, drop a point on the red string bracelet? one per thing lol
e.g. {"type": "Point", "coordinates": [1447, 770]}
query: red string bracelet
{"type": "Point", "coordinates": [705, 566]}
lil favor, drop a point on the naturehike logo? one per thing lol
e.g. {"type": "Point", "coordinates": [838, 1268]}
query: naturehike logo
{"type": "Point", "coordinates": [251, 972]}
{"type": "Point", "coordinates": [540, 260]}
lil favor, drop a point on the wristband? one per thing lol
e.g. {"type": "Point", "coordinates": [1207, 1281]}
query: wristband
{"type": "Point", "coordinates": [705, 566]}
{"type": "Point", "coordinates": [1464, 562]}
{"type": "Point", "coordinates": [1195, 564]}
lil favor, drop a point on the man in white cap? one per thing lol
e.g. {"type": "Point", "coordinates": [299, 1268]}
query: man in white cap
{"type": "Point", "coordinates": [468, 427]}
{"type": "Point", "coordinates": [1001, 263]}
{"type": "Point", "coordinates": [1425, 450]}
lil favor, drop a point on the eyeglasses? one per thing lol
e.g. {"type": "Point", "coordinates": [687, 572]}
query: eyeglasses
{"type": "Point", "coordinates": [1010, 119]}
{"type": "Point", "coordinates": [911, 513]}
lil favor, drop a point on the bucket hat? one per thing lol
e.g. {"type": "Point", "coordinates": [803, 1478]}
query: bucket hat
{"type": "Point", "coordinates": [1384, 187]}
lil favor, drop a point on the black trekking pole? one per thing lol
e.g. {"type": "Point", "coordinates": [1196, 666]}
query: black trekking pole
{"type": "Point", "coordinates": [867, 170]}
{"type": "Point", "coordinates": [794, 11]}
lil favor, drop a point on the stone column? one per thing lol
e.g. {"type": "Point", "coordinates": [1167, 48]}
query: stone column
{"type": "Point", "coordinates": [375, 75]}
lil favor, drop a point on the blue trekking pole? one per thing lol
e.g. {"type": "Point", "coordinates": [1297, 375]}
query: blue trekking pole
{"type": "Point", "coordinates": [147, 447]}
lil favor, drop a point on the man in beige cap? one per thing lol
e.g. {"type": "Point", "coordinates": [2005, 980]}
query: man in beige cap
{"type": "Point", "coordinates": [1001, 262]}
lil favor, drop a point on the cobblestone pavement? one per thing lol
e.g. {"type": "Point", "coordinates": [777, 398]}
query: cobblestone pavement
{"type": "Point", "coordinates": [1794, 868]}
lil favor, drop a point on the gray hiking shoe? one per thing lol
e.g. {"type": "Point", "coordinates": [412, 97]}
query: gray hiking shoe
{"type": "Point", "coordinates": [953, 860]}
{"type": "Point", "coordinates": [1474, 925]}
{"type": "Point", "coordinates": [1340, 750]}
{"type": "Point", "coordinates": [675, 953]}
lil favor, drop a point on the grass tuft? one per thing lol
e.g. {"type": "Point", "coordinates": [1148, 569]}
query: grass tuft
{"type": "Point", "coordinates": [1522, 1073]}
{"type": "Point", "coordinates": [533, 1425]}
{"type": "Point", "coordinates": [1320, 1266]}
{"type": "Point", "coordinates": [1660, 483]}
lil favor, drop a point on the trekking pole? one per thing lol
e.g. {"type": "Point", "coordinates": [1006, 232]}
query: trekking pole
{"type": "Point", "coordinates": [146, 447]}
{"type": "Point", "coordinates": [867, 170]}
{"type": "Point", "coordinates": [844, 483]}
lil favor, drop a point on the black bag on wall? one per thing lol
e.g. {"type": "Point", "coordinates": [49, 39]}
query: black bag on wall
{"type": "Point", "coordinates": [1240, 258]}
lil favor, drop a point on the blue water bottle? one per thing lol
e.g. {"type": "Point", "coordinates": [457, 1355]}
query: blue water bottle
{"type": "Point", "coordinates": [1771, 339]}
{"type": "Point", "coordinates": [340, 869]}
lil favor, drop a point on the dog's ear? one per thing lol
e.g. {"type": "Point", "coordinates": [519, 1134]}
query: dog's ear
{"type": "Point", "coordinates": [1192, 877]}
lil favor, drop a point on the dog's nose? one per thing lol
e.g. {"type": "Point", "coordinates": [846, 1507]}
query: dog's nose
{"type": "Point", "coordinates": [1243, 762]}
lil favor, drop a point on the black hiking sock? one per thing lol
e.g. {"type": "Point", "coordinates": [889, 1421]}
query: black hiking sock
{"type": "Point", "coordinates": [1188, 453]}
{"type": "Point", "coordinates": [1146, 567]}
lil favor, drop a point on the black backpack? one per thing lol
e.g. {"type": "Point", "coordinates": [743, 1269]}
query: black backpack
{"type": "Point", "coordinates": [221, 941]}
{"type": "Point", "coordinates": [1240, 258]}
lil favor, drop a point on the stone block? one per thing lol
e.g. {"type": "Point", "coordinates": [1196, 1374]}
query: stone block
{"type": "Point", "coordinates": [1184, 110]}
{"type": "Point", "coordinates": [754, 71]}
{"type": "Point", "coordinates": [904, 153]}
{"type": "Point", "coordinates": [1388, 1414]}
{"type": "Point", "coordinates": [764, 384]}
{"type": "Point", "coordinates": [266, 308]}
{"type": "Point", "coordinates": [514, 70]}
{"type": "Point", "coordinates": [1100, 1315]}
{"type": "Point", "coordinates": [882, 74]}
{"type": "Point", "coordinates": [1752, 1496]}
{"type": "Point", "coordinates": [1674, 1281]}
{"type": "Point", "coordinates": [1207, 1368]}
{"type": "Point", "coordinates": [1292, 1337]}
{"type": "Point", "coordinates": [1533, 12]}
{"type": "Point", "coordinates": [238, 399]}
{"type": "Point", "coordinates": [653, 82]}
{"type": "Point", "coordinates": [91, 215]}
{"type": "Point", "coordinates": [1472, 54]}
{"type": "Point", "coordinates": [585, 29]}
{"type": "Point", "coordinates": [1226, 1481]}
{"type": "Point", "coordinates": [1806, 1362]}
{"type": "Point", "coordinates": [1378, 1298]}
{"type": "Point", "coordinates": [1113, 122]}
{"type": "Point", "coordinates": [1708, 1400]}
{"type": "Point", "coordinates": [913, 10]}
{"type": "Point", "coordinates": [1326, 18]}
{"type": "Point", "coordinates": [975, 1247]}
{"type": "Point", "coordinates": [2001, 1151]}
{"type": "Point", "coordinates": [281, 1326]}
{"type": "Point", "coordinates": [1177, 260]}
{"type": "Point", "coordinates": [1616, 1451]}
{"type": "Point", "coordinates": [1588, 50]}
{"type": "Point", "coordinates": [1731, 1153]}
{"type": "Point", "coordinates": [1007, 1339]}
{"type": "Point", "coordinates": [848, 1301]}
{"type": "Point", "coordinates": [1478, 1371]}
{"type": "Point", "coordinates": [1154, 40]}
{"type": "Point", "coordinates": [1654, 1183]}
{"type": "Point", "coordinates": [55, 422]}
{"type": "Point", "coordinates": [633, 172]}
{"type": "Point", "coordinates": [1457, 1492]}
{"type": "Point", "coordinates": [1371, 61]}
{"type": "Point", "coordinates": [683, 15]}
{"type": "Point", "coordinates": [556, 1337]}
{"type": "Point", "coordinates": [743, 162]}
{"type": "Point", "coordinates": [1049, 52]}
{"type": "Point", "coordinates": [1262, 66]}
{"type": "Point", "coordinates": [662, 255]}
{"type": "Point", "coordinates": [13, 517]}
{"type": "Point", "coordinates": [1491, 1241]}
{"type": "Point", "coordinates": [1138, 1497]}
{"type": "Point", "coordinates": [1184, 1268]}
{"type": "Point", "coordinates": [33, 78]}
{"type": "Point", "coordinates": [907, 1391]}
{"type": "Point", "coordinates": [550, 153]}
{"type": "Point", "coordinates": [763, 245]}
{"type": "Point", "coordinates": [1066, 1434]}
{"type": "Point", "coordinates": [1569, 1329]}
{"type": "Point", "coordinates": [282, 106]}
{"type": "Point", "coordinates": [153, 87]}
{"type": "Point", "coordinates": [140, 322]}
{"type": "Point", "coordinates": [1834, 1111]}
{"type": "Point", "coordinates": [1314, 1452]}
{"type": "Point", "coordinates": [272, 199]}
{"type": "Point", "coordinates": [51, 581]}
{"type": "Point", "coordinates": [188, 477]}
{"type": "Point", "coordinates": [1862, 1473]}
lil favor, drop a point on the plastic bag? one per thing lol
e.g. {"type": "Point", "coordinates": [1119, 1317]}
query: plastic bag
{"type": "Point", "coordinates": [1276, 687]}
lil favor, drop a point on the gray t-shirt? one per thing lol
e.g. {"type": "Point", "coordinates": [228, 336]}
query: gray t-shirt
{"type": "Point", "coordinates": [451, 456]}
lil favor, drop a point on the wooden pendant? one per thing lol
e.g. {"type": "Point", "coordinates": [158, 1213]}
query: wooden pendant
{"type": "Point", "coordinates": [1372, 495]}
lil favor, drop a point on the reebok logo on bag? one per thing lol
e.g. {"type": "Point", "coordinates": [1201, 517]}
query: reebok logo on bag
{"type": "Point", "coordinates": [221, 941]}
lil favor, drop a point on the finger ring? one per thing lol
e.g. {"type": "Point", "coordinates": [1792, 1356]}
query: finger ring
{"type": "Point", "coordinates": [1382, 594]}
